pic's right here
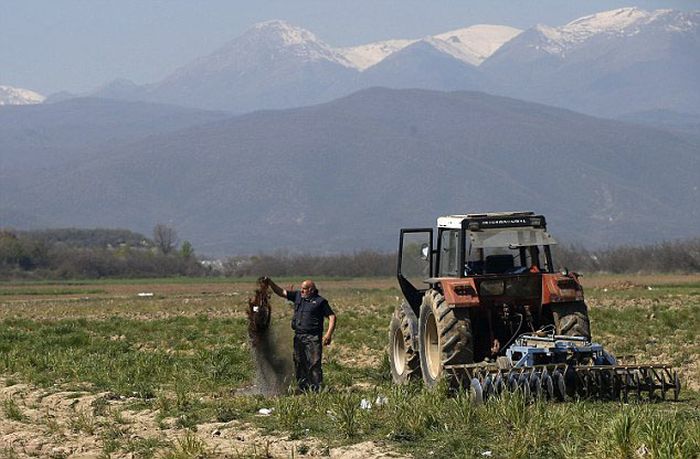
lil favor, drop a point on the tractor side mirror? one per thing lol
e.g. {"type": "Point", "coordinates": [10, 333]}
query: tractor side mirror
{"type": "Point", "coordinates": [424, 252]}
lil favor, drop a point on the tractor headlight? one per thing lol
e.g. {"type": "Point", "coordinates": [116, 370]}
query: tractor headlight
{"type": "Point", "coordinates": [536, 222]}
{"type": "Point", "coordinates": [492, 287]}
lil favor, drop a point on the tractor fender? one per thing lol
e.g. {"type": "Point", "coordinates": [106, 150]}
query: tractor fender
{"type": "Point", "coordinates": [460, 292]}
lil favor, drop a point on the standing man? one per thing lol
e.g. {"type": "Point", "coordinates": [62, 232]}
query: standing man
{"type": "Point", "coordinates": [310, 310]}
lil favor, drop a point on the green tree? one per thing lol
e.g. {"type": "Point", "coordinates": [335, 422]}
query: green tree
{"type": "Point", "coordinates": [186, 250]}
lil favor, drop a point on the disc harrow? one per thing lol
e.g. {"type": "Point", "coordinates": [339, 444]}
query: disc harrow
{"type": "Point", "coordinates": [560, 382]}
{"type": "Point", "coordinates": [559, 368]}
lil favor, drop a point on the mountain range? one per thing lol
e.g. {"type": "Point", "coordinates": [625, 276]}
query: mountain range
{"type": "Point", "coordinates": [607, 64]}
{"type": "Point", "coordinates": [279, 141]}
{"type": "Point", "coordinates": [346, 174]}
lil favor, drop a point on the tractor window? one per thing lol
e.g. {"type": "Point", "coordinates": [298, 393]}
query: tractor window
{"type": "Point", "coordinates": [449, 253]}
{"type": "Point", "coordinates": [533, 256]}
{"type": "Point", "coordinates": [416, 257]}
{"type": "Point", "coordinates": [508, 251]}
{"type": "Point", "coordinates": [504, 260]}
{"type": "Point", "coordinates": [510, 237]}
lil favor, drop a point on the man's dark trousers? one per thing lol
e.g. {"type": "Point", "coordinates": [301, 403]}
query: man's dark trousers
{"type": "Point", "coordinates": [307, 361]}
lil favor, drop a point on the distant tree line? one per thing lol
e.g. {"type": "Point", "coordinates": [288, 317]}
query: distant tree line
{"type": "Point", "coordinates": [86, 238]}
{"type": "Point", "coordinates": [359, 264]}
{"type": "Point", "coordinates": [664, 257]}
{"type": "Point", "coordinates": [673, 257]}
{"type": "Point", "coordinates": [95, 253]}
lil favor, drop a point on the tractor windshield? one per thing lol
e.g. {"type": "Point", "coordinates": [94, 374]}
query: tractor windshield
{"type": "Point", "coordinates": [515, 237]}
{"type": "Point", "coordinates": [508, 251]}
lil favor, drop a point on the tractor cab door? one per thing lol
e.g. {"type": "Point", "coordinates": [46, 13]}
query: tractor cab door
{"type": "Point", "coordinates": [415, 264]}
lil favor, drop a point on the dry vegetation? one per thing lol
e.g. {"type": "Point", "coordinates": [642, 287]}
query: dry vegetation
{"type": "Point", "coordinates": [90, 369]}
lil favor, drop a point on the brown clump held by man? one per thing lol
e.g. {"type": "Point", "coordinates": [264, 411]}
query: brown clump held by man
{"type": "Point", "coordinates": [310, 310]}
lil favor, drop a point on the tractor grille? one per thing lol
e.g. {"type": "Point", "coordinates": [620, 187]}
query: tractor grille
{"type": "Point", "coordinates": [512, 287]}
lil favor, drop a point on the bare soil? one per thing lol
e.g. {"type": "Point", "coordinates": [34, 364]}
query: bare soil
{"type": "Point", "coordinates": [56, 423]}
{"type": "Point", "coordinates": [628, 281]}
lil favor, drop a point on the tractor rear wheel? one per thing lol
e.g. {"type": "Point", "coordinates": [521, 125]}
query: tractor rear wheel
{"type": "Point", "coordinates": [571, 319]}
{"type": "Point", "coordinates": [403, 357]}
{"type": "Point", "coordinates": [445, 337]}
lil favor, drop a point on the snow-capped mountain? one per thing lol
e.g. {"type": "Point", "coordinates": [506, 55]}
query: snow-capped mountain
{"type": "Point", "coordinates": [365, 56]}
{"type": "Point", "coordinates": [278, 65]}
{"type": "Point", "coordinates": [616, 27]}
{"type": "Point", "coordinates": [272, 65]}
{"type": "Point", "coordinates": [269, 41]}
{"type": "Point", "coordinates": [472, 45]}
{"type": "Point", "coordinates": [620, 23]}
{"type": "Point", "coordinates": [17, 96]}
{"type": "Point", "coordinates": [477, 43]}
{"type": "Point", "coordinates": [610, 63]}
{"type": "Point", "coordinates": [449, 49]}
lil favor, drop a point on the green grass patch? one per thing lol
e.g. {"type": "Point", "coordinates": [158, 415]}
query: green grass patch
{"type": "Point", "coordinates": [11, 410]}
{"type": "Point", "coordinates": [201, 353]}
{"type": "Point", "coordinates": [434, 424]}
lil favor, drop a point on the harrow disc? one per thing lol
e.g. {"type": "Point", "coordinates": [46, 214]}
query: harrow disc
{"type": "Point", "coordinates": [512, 382]}
{"type": "Point", "coordinates": [524, 385]}
{"type": "Point", "coordinates": [499, 385]}
{"type": "Point", "coordinates": [547, 385]}
{"type": "Point", "coordinates": [487, 387]}
{"type": "Point", "coordinates": [559, 385]}
{"type": "Point", "coordinates": [637, 384]}
{"type": "Point", "coordinates": [664, 382]}
{"type": "Point", "coordinates": [535, 386]}
{"type": "Point", "coordinates": [476, 391]}
{"type": "Point", "coordinates": [586, 387]}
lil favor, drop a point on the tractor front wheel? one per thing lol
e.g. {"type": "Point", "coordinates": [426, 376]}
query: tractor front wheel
{"type": "Point", "coordinates": [403, 357]}
{"type": "Point", "coordinates": [445, 337]}
{"type": "Point", "coordinates": [571, 319]}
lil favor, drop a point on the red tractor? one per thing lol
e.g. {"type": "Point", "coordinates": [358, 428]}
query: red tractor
{"type": "Point", "coordinates": [486, 308]}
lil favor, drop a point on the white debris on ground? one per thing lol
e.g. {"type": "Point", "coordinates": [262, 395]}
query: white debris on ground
{"type": "Point", "coordinates": [367, 404]}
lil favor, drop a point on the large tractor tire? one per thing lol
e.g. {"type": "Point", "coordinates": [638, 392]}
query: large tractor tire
{"type": "Point", "coordinates": [571, 319]}
{"type": "Point", "coordinates": [403, 355]}
{"type": "Point", "coordinates": [444, 335]}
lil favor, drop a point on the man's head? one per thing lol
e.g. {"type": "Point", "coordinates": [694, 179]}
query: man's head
{"type": "Point", "coordinates": [308, 288]}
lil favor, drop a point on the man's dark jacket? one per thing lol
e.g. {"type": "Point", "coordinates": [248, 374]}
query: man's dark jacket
{"type": "Point", "coordinates": [309, 313]}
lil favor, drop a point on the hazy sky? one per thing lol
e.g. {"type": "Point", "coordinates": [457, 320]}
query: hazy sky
{"type": "Point", "coordinates": [77, 45]}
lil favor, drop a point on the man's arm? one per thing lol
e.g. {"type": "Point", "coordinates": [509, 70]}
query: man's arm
{"type": "Point", "coordinates": [328, 337]}
{"type": "Point", "coordinates": [279, 291]}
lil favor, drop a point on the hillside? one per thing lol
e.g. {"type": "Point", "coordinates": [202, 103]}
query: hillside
{"type": "Point", "coordinates": [347, 174]}
{"type": "Point", "coordinates": [50, 134]}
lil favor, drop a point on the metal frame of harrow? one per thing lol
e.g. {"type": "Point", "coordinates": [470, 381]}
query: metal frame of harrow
{"type": "Point", "coordinates": [562, 381]}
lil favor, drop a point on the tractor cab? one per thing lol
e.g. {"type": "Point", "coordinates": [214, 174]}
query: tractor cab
{"type": "Point", "coordinates": [473, 245]}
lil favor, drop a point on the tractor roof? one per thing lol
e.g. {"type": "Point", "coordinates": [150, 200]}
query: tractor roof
{"type": "Point", "coordinates": [492, 220]}
{"type": "Point", "coordinates": [500, 229]}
